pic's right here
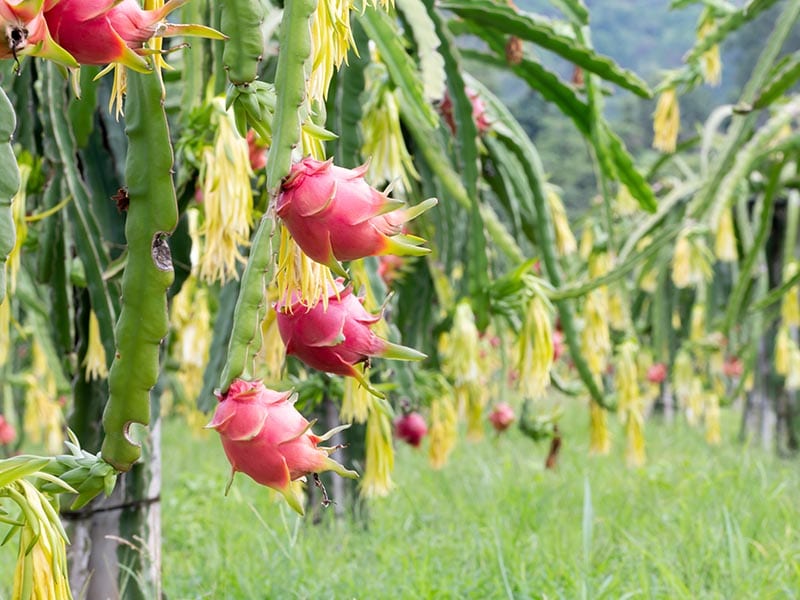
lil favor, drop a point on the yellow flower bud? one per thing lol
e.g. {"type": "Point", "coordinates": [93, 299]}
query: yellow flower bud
{"type": "Point", "coordinates": [792, 381]}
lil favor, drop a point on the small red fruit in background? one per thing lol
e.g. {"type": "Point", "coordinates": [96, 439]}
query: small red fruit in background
{"type": "Point", "coordinates": [502, 416]}
{"type": "Point", "coordinates": [411, 428]}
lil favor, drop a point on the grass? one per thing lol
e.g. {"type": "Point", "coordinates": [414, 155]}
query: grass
{"type": "Point", "coordinates": [696, 522]}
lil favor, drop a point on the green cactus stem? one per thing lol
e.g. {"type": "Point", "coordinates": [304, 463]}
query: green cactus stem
{"type": "Point", "coordinates": [9, 184]}
{"type": "Point", "coordinates": [143, 321]}
{"type": "Point", "coordinates": [290, 85]}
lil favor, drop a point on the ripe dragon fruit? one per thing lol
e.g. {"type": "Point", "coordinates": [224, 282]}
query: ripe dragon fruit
{"type": "Point", "coordinates": [265, 437]}
{"type": "Point", "coordinates": [411, 428]}
{"type": "Point", "coordinates": [337, 337]}
{"type": "Point", "coordinates": [334, 215]}
{"type": "Point", "coordinates": [657, 372]}
{"type": "Point", "coordinates": [502, 416]}
{"type": "Point", "coordinates": [27, 33]}
{"type": "Point", "coordinates": [98, 32]}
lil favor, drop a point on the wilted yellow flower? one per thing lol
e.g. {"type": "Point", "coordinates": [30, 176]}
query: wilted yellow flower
{"type": "Point", "coordinates": [710, 61]}
{"type": "Point", "coordinates": [649, 281]}
{"type": "Point", "coordinates": [43, 418]}
{"type": "Point", "coordinates": [565, 240]}
{"type": "Point", "coordinates": [361, 281]}
{"type": "Point", "coordinates": [792, 381]}
{"type": "Point", "coordinates": [384, 146]}
{"type": "Point", "coordinates": [41, 569]}
{"type": "Point", "coordinates": [5, 329]}
{"type": "Point", "coordinates": [725, 242]}
{"type": "Point", "coordinates": [296, 273]}
{"type": "Point", "coordinates": [119, 87]}
{"type": "Point", "coordinates": [587, 241]}
{"type": "Point", "coordinates": [713, 435]}
{"type": "Point", "coordinates": [94, 362]}
{"type": "Point", "coordinates": [596, 337]}
{"type": "Point", "coordinates": [626, 204]}
{"type": "Point", "coordinates": [474, 397]}
{"type": "Point", "coordinates": [463, 346]}
{"type": "Point", "coordinates": [634, 434]}
{"type": "Point", "coordinates": [227, 200]}
{"type": "Point", "coordinates": [356, 401]}
{"type": "Point", "coordinates": [697, 329]}
{"type": "Point", "coordinates": [695, 402]}
{"type": "Point", "coordinates": [790, 304]}
{"type": "Point", "coordinates": [599, 435]}
{"type": "Point", "coordinates": [273, 352]}
{"type": "Point", "coordinates": [626, 379]}
{"type": "Point", "coordinates": [783, 342]}
{"type": "Point", "coordinates": [377, 480]}
{"type": "Point", "coordinates": [682, 375]}
{"type": "Point", "coordinates": [535, 348]}
{"type": "Point", "coordinates": [667, 121]}
{"type": "Point", "coordinates": [331, 38]}
{"type": "Point", "coordinates": [617, 309]}
{"type": "Point", "coordinates": [443, 431]}
{"type": "Point", "coordinates": [691, 262]}
{"type": "Point", "coordinates": [190, 320]}
{"type": "Point", "coordinates": [18, 213]}
{"type": "Point", "coordinates": [631, 403]}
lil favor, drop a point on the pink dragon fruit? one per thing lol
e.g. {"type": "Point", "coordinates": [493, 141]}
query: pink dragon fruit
{"type": "Point", "coordinates": [657, 372]}
{"type": "Point", "coordinates": [337, 337]}
{"type": "Point", "coordinates": [411, 428]}
{"type": "Point", "coordinates": [333, 214]}
{"type": "Point", "coordinates": [27, 33]}
{"type": "Point", "coordinates": [502, 416]}
{"type": "Point", "coordinates": [7, 432]}
{"type": "Point", "coordinates": [98, 32]}
{"type": "Point", "coordinates": [478, 111]}
{"type": "Point", "coordinates": [265, 437]}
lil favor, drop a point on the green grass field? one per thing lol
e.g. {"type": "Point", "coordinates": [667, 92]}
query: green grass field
{"type": "Point", "coordinates": [696, 522]}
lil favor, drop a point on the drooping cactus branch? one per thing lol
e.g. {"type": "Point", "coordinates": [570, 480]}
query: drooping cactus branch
{"type": "Point", "coordinates": [143, 322]}
{"type": "Point", "coordinates": [295, 50]}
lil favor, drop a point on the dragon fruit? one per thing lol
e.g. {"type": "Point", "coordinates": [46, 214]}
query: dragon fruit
{"type": "Point", "coordinates": [265, 437]}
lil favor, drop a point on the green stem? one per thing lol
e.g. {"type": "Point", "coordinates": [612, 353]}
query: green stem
{"type": "Point", "coordinates": [9, 184]}
{"type": "Point", "coordinates": [737, 297]}
{"type": "Point", "coordinates": [295, 45]}
{"type": "Point", "coordinates": [143, 321]}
